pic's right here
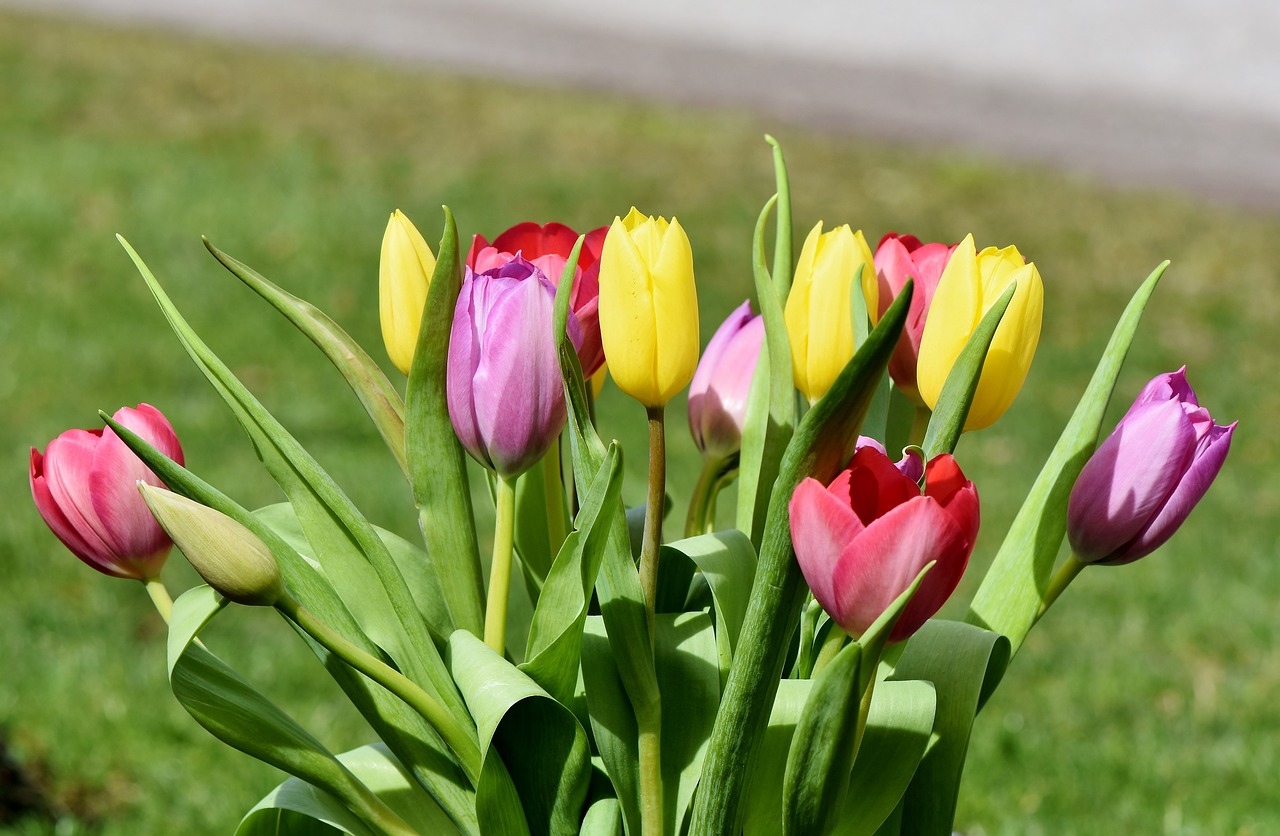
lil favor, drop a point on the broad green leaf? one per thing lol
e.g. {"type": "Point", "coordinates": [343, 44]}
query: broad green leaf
{"type": "Point", "coordinates": [554, 649]}
{"type": "Point", "coordinates": [763, 801]}
{"type": "Point", "coordinates": [379, 398]}
{"type": "Point", "coordinates": [232, 711]}
{"type": "Point", "coordinates": [1009, 599]}
{"type": "Point", "coordinates": [952, 408]}
{"type": "Point", "coordinates": [728, 563]}
{"type": "Point", "coordinates": [604, 814]}
{"type": "Point", "coordinates": [296, 807]}
{"type": "Point", "coordinates": [538, 740]}
{"type": "Point", "coordinates": [823, 443]}
{"type": "Point", "coordinates": [356, 561]}
{"type": "Point", "coordinates": [613, 722]}
{"type": "Point", "coordinates": [782, 265]}
{"type": "Point", "coordinates": [771, 402]}
{"type": "Point", "coordinates": [532, 543]}
{"type": "Point", "coordinates": [437, 464]}
{"type": "Point", "coordinates": [964, 663]}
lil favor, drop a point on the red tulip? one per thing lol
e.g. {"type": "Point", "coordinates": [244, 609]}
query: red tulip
{"type": "Point", "coordinates": [548, 247]}
{"type": "Point", "coordinates": [86, 488]}
{"type": "Point", "coordinates": [861, 540]}
{"type": "Point", "coordinates": [898, 258]}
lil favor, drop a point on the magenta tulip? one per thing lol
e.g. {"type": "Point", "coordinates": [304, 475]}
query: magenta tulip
{"type": "Point", "coordinates": [85, 487]}
{"type": "Point", "coordinates": [897, 259]}
{"type": "Point", "coordinates": [718, 393]}
{"type": "Point", "coordinates": [861, 540]}
{"type": "Point", "coordinates": [548, 248]}
{"type": "Point", "coordinates": [1143, 481]}
{"type": "Point", "coordinates": [504, 390]}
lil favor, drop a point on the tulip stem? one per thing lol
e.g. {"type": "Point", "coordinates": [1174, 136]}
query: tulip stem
{"type": "Point", "coordinates": [495, 614]}
{"type": "Point", "coordinates": [831, 645]}
{"type": "Point", "coordinates": [653, 513]}
{"type": "Point", "coordinates": [160, 597]}
{"type": "Point", "coordinates": [553, 488]}
{"type": "Point", "coordinates": [463, 745]}
{"type": "Point", "coordinates": [1061, 580]}
{"type": "Point", "coordinates": [702, 505]}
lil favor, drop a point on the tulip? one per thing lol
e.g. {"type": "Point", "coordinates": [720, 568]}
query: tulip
{"type": "Point", "coordinates": [718, 394]}
{"type": "Point", "coordinates": [648, 307]}
{"type": "Point", "coordinates": [911, 465]}
{"type": "Point", "coordinates": [899, 258]}
{"type": "Point", "coordinates": [1143, 481]}
{"type": "Point", "coordinates": [971, 283]}
{"type": "Point", "coordinates": [84, 488]}
{"type": "Point", "coordinates": [863, 539]}
{"type": "Point", "coordinates": [819, 307]}
{"type": "Point", "coordinates": [404, 275]}
{"type": "Point", "coordinates": [549, 247]}
{"type": "Point", "coordinates": [504, 391]}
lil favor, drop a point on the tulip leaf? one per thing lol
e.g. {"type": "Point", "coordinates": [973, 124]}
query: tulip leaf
{"type": "Point", "coordinates": [771, 402]}
{"type": "Point", "coordinates": [823, 443]}
{"type": "Point", "coordinates": [604, 814]}
{"type": "Point", "coordinates": [964, 663]}
{"type": "Point", "coordinates": [231, 710]}
{"type": "Point", "coordinates": [525, 732]}
{"type": "Point", "coordinates": [728, 563]}
{"type": "Point", "coordinates": [344, 542]}
{"type": "Point", "coordinates": [379, 398]}
{"type": "Point", "coordinates": [437, 464]}
{"type": "Point", "coordinates": [532, 540]}
{"type": "Point", "coordinates": [554, 648]}
{"type": "Point", "coordinates": [952, 409]}
{"type": "Point", "coordinates": [296, 807]}
{"type": "Point", "coordinates": [782, 265]}
{"type": "Point", "coordinates": [1009, 599]}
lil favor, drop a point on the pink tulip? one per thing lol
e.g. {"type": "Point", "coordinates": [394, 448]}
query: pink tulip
{"type": "Point", "coordinates": [898, 258]}
{"type": "Point", "coordinates": [1143, 481]}
{"type": "Point", "coordinates": [861, 540]}
{"type": "Point", "coordinates": [718, 393]}
{"type": "Point", "coordinates": [503, 384]}
{"type": "Point", "coordinates": [548, 247]}
{"type": "Point", "coordinates": [911, 465]}
{"type": "Point", "coordinates": [85, 488]}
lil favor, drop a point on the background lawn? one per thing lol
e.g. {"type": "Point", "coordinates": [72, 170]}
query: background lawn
{"type": "Point", "coordinates": [1146, 702]}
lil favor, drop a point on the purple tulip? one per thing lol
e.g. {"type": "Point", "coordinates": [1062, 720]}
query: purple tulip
{"type": "Point", "coordinates": [1146, 477]}
{"type": "Point", "coordinates": [505, 396]}
{"type": "Point", "coordinates": [85, 486]}
{"type": "Point", "coordinates": [718, 393]}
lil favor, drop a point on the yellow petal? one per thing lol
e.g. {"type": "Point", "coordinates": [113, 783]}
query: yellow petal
{"type": "Point", "coordinates": [870, 284]}
{"type": "Point", "coordinates": [404, 275]}
{"type": "Point", "coordinates": [627, 323]}
{"type": "Point", "coordinates": [953, 314]}
{"type": "Point", "coordinates": [796, 313]}
{"type": "Point", "coordinates": [675, 313]}
{"type": "Point", "coordinates": [1012, 349]}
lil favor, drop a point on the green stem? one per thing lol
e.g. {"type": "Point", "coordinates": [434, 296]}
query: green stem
{"type": "Point", "coordinates": [1061, 580]}
{"type": "Point", "coordinates": [553, 489]}
{"type": "Point", "coordinates": [830, 647]}
{"type": "Point", "coordinates": [702, 505]}
{"type": "Point", "coordinates": [650, 740]}
{"type": "Point", "coordinates": [653, 513]}
{"type": "Point", "coordinates": [495, 613]}
{"type": "Point", "coordinates": [464, 746]}
{"type": "Point", "coordinates": [919, 426]}
{"type": "Point", "coordinates": [160, 597]}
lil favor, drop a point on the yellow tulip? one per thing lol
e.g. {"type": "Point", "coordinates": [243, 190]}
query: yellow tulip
{"type": "Point", "coordinates": [648, 307]}
{"type": "Point", "coordinates": [819, 312]}
{"type": "Point", "coordinates": [971, 283]}
{"type": "Point", "coordinates": [404, 274]}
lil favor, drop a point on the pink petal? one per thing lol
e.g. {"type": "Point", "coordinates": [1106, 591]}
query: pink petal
{"type": "Point", "coordinates": [821, 527]}
{"type": "Point", "coordinates": [874, 485]}
{"type": "Point", "coordinates": [87, 546]}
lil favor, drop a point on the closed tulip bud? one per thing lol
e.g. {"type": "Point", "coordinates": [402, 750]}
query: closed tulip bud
{"type": "Point", "coordinates": [648, 307]}
{"type": "Point", "coordinates": [83, 487]}
{"type": "Point", "coordinates": [863, 539]}
{"type": "Point", "coordinates": [819, 312]}
{"type": "Point", "coordinates": [548, 247]}
{"type": "Point", "coordinates": [404, 275]}
{"type": "Point", "coordinates": [971, 283]}
{"type": "Point", "coordinates": [718, 394]}
{"type": "Point", "coordinates": [504, 390]}
{"type": "Point", "coordinates": [229, 557]}
{"type": "Point", "coordinates": [899, 258]}
{"type": "Point", "coordinates": [1143, 481]}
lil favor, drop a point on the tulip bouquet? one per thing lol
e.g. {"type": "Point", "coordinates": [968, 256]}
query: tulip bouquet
{"type": "Point", "coordinates": [784, 674]}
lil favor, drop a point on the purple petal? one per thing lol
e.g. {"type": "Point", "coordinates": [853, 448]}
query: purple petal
{"type": "Point", "coordinates": [1172, 386]}
{"type": "Point", "coordinates": [464, 358]}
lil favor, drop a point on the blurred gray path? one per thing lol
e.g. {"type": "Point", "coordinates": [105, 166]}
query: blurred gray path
{"type": "Point", "coordinates": [1177, 92]}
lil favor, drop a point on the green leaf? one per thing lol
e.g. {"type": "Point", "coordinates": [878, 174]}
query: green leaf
{"type": "Point", "coordinates": [763, 800]}
{"type": "Point", "coordinates": [782, 265]}
{"type": "Point", "coordinates": [437, 464]}
{"type": "Point", "coordinates": [771, 402]}
{"type": "Point", "coordinates": [1009, 599]}
{"type": "Point", "coordinates": [964, 663]}
{"type": "Point", "coordinates": [613, 722]}
{"type": "Point", "coordinates": [823, 443]}
{"type": "Point", "coordinates": [532, 540]}
{"type": "Point", "coordinates": [952, 408]}
{"type": "Point", "coordinates": [728, 563]}
{"type": "Point", "coordinates": [379, 398]}
{"type": "Point", "coordinates": [232, 711]}
{"type": "Point", "coordinates": [538, 740]}
{"type": "Point", "coordinates": [554, 648]}
{"type": "Point", "coordinates": [296, 807]}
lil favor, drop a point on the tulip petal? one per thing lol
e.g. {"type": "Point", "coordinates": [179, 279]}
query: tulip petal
{"type": "Point", "coordinates": [464, 358]}
{"type": "Point", "coordinates": [957, 309]}
{"type": "Point", "coordinates": [957, 495]}
{"type": "Point", "coordinates": [536, 241]}
{"type": "Point", "coordinates": [68, 465]}
{"type": "Point", "coordinates": [874, 485]}
{"type": "Point", "coordinates": [1012, 348]}
{"type": "Point", "coordinates": [675, 309]}
{"type": "Point", "coordinates": [87, 546]}
{"type": "Point", "coordinates": [627, 316]}
{"type": "Point", "coordinates": [822, 525]}
{"type": "Point", "coordinates": [128, 526]}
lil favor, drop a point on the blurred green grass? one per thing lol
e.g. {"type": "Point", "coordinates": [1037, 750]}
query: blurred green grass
{"type": "Point", "coordinates": [1144, 703]}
